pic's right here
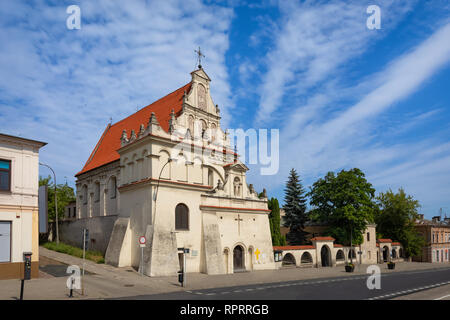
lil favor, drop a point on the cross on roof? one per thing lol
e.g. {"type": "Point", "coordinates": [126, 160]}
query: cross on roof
{"type": "Point", "coordinates": [200, 55]}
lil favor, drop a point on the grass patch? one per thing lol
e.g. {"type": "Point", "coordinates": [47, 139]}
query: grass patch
{"type": "Point", "coordinates": [95, 256]}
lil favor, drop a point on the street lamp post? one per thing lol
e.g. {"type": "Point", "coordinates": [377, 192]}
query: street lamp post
{"type": "Point", "coordinates": [56, 201]}
{"type": "Point", "coordinates": [155, 195]}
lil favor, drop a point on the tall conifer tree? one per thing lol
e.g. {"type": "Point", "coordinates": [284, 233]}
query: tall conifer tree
{"type": "Point", "coordinates": [274, 220]}
{"type": "Point", "coordinates": [295, 209]}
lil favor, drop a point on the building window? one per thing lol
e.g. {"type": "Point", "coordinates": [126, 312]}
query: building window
{"type": "Point", "coordinates": [181, 217]}
{"type": "Point", "coordinates": [5, 175]}
{"type": "Point", "coordinates": [368, 236]}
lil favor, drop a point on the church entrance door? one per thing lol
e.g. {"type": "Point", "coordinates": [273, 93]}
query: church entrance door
{"type": "Point", "coordinates": [238, 259]}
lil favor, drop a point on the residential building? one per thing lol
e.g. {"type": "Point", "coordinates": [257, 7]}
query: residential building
{"type": "Point", "coordinates": [436, 234]}
{"type": "Point", "coordinates": [19, 216]}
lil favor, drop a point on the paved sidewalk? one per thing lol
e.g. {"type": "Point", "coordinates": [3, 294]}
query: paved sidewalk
{"type": "Point", "coordinates": [107, 282]}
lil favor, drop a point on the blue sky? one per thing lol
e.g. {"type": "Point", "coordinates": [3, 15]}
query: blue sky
{"type": "Point", "coordinates": [341, 95]}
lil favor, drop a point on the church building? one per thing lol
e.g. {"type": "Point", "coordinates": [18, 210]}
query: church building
{"type": "Point", "coordinates": [168, 172]}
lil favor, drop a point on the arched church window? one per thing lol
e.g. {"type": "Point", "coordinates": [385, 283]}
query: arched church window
{"type": "Point", "coordinates": [181, 217]}
{"type": "Point", "coordinates": [237, 187]}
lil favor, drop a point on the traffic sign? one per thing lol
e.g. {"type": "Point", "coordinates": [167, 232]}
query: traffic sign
{"type": "Point", "coordinates": [142, 241]}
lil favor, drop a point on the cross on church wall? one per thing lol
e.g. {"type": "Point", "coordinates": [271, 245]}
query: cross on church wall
{"type": "Point", "coordinates": [239, 223]}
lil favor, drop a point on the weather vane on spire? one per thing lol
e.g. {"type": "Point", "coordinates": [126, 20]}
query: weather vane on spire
{"type": "Point", "coordinates": [200, 55]}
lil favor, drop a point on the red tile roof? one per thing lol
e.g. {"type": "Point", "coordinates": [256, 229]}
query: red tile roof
{"type": "Point", "coordinates": [293, 247]}
{"type": "Point", "coordinates": [338, 245]}
{"type": "Point", "coordinates": [384, 240]}
{"type": "Point", "coordinates": [323, 239]}
{"type": "Point", "coordinates": [106, 149]}
{"type": "Point", "coordinates": [396, 244]}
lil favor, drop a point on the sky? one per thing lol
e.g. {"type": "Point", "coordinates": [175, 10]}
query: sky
{"type": "Point", "coordinates": [341, 95]}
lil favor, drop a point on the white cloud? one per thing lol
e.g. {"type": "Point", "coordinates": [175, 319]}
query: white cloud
{"type": "Point", "coordinates": [315, 39]}
{"type": "Point", "coordinates": [315, 141]}
{"type": "Point", "coordinates": [61, 86]}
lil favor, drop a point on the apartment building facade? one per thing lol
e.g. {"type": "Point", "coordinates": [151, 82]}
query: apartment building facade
{"type": "Point", "coordinates": [19, 219]}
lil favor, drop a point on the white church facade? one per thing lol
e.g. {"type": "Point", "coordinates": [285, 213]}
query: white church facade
{"type": "Point", "coordinates": [169, 173]}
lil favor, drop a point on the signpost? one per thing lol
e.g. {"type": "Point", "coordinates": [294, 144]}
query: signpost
{"type": "Point", "coordinates": [26, 271]}
{"type": "Point", "coordinates": [142, 242]}
{"type": "Point", "coordinates": [182, 273]}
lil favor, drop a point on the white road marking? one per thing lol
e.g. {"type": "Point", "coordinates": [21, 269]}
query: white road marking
{"type": "Point", "coordinates": [443, 297]}
{"type": "Point", "coordinates": [412, 290]}
{"type": "Point", "coordinates": [341, 279]}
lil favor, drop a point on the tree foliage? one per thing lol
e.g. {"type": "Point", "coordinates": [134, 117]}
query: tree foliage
{"type": "Point", "coordinates": [295, 209]}
{"type": "Point", "coordinates": [65, 195]}
{"type": "Point", "coordinates": [345, 202]}
{"type": "Point", "coordinates": [274, 220]}
{"type": "Point", "coordinates": [396, 220]}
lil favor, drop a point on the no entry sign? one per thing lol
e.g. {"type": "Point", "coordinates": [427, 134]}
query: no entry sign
{"type": "Point", "coordinates": [142, 241]}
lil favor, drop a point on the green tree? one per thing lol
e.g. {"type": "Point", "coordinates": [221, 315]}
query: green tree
{"type": "Point", "coordinates": [295, 209]}
{"type": "Point", "coordinates": [274, 220]}
{"type": "Point", "coordinates": [345, 202]}
{"type": "Point", "coordinates": [65, 195]}
{"type": "Point", "coordinates": [396, 220]}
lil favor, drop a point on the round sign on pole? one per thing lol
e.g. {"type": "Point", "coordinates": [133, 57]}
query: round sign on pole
{"type": "Point", "coordinates": [142, 240]}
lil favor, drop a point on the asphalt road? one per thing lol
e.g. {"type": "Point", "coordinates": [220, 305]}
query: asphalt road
{"type": "Point", "coordinates": [341, 288]}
